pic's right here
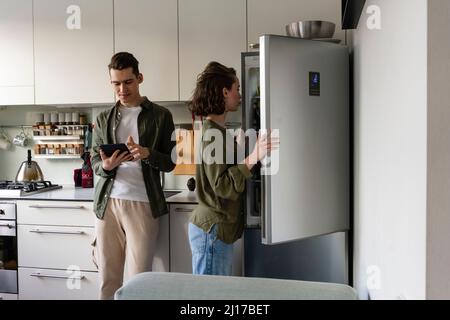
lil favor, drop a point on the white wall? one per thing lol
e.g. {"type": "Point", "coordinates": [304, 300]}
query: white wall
{"type": "Point", "coordinates": [390, 75]}
{"type": "Point", "coordinates": [438, 218]}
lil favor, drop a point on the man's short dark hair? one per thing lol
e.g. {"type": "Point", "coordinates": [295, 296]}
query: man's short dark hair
{"type": "Point", "coordinates": [124, 60]}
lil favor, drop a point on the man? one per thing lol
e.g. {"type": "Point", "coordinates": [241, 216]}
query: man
{"type": "Point", "coordinates": [128, 196]}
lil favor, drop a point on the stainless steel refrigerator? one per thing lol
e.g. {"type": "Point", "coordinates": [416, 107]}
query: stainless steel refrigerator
{"type": "Point", "coordinates": [298, 202]}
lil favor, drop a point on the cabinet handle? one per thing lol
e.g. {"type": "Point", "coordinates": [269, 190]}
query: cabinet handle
{"type": "Point", "coordinates": [183, 210]}
{"type": "Point", "coordinates": [57, 232]}
{"type": "Point", "coordinates": [8, 225]}
{"type": "Point", "coordinates": [41, 275]}
{"type": "Point", "coordinates": [37, 206]}
{"type": "Point", "coordinates": [2, 212]}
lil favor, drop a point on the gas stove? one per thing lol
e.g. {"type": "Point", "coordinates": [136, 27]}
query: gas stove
{"type": "Point", "coordinates": [18, 189]}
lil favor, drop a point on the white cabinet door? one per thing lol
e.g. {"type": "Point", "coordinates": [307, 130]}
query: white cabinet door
{"type": "Point", "coordinates": [52, 284]}
{"type": "Point", "coordinates": [8, 296]}
{"type": "Point", "coordinates": [149, 30]}
{"type": "Point", "coordinates": [161, 258]}
{"type": "Point", "coordinates": [56, 213]}
{"type": "Point", "coordinates": [210, 30]}
{"type": "Point", "coordinates": [55, 247]}
{"type": "Point", "coordinates": [180, 250]}
{"type": "Point", "coordinates": [73, 43]}
{"type": "Point", "coordinates": [16, 56]}
{"type": "Point", "coordinates": [266, 18]}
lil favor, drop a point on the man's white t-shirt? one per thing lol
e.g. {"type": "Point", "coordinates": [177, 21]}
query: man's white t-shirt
{"type": "Point", "coordinates": [129, 181]}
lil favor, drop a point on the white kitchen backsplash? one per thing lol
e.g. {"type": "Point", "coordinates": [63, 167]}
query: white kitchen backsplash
{"type": "Point", "coordinates": [60, 171]}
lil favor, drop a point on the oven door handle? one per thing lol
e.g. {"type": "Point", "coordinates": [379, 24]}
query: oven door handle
{"type": "Point", "coordinates": [43, 275]}
{"type": "Point", "coordinates": [57, 232]}
{"type": "Point", "coordinates": [8, 225]}
{"type": "Point", "coordinates": [37, 206]}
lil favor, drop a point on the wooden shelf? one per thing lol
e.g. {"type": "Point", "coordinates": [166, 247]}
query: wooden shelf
{"type": "Point", "coordinates": [57, 156]}
{"type": "Point", "coordinates": [56, 138]}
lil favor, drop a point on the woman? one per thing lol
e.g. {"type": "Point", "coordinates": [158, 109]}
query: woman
{"type": "Point", "coordinates": [217, 221]}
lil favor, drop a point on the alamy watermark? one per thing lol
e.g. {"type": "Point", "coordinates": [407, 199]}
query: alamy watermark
{"type": "Point", "coordinates": [73, 21]}
{"type": "Point", "coordinates": [373, 281]}
{"type": "Point", "coordinates": [374, 20]}
{"type": "Point", "coordinates": [214, 147]}
{"type": "Point", "coordinates": [73, 281]}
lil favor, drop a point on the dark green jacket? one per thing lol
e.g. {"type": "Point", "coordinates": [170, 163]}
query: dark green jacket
{"type": "Point", "coordinates": [155, 128]}
{"type": "Point", "coordinates": [219, 191]}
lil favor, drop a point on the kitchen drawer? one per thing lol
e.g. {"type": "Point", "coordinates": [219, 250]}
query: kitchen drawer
{"type": "Point", "coordinates": [45, 284]}
{"type": "Point", "coordinates": [55, 247]}
{"type": "Point", "coordinates": [57, 213]}
{"type": "Point", "coordinates": [7, 210]}
{"type": "Point", "coordinates": [8, 296]}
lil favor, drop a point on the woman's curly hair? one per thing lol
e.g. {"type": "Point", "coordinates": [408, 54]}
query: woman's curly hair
{"type": "Point", "coordinates": [208, 94]}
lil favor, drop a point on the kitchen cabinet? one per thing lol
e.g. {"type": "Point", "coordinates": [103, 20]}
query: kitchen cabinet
{"type": "Point", "coordinates": [54, 250]}
{"type": "Point", "coordinates": [16, 58]}
{"type": "Point", "coordinates": [73, 44]}
{"type": "Point", "coordinates": [180, 251]}
{"type": "Point", "coordinates": [8, 296]}
{"type": "Point", "coordinates": [161, 258]}
{"type": "Point", "coordinates": [52, 284]}
{"type": "Point", "coordinates": [149, 30]}
{"type": "Point", "coordinates": [266, 18]}
{"type": "Point", "coordinates": [209, 30]}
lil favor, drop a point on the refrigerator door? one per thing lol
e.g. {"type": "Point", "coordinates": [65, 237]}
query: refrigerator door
{"type": "Point", "coordinates": [305, 95]}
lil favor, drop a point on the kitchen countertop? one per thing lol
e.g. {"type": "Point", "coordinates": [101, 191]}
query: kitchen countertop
{"type": "Point", "coordinates": [67, 193]}
{"type": "Point", "coordinates": [185, 196]}
{"type": "Point", "coordinates": [70, 193]}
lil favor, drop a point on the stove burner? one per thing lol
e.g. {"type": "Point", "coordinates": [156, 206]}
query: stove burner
{"type": "Point", "coordinates": [26, 186]}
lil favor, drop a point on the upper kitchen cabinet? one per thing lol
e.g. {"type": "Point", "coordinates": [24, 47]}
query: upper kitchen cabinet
{"type": "Point", "coordinates": [16, 58]}
{"type": "Point", "coordinates": [149, 30]}
{"type": "Point", "coordinates": [266, 18]}
{"type": "Point", "coordinates": [73, 44]}
{"type": "Point", "coordinates": [210, 30]}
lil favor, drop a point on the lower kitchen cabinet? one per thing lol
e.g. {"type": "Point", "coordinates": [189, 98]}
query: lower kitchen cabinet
{"type": "Point", "coordinates": [9, 296]}
{"type": "Point", "coordinates": [54, 250]}
{"type": "Point", "coordinates": [56, 247]}
{"type": "Point", "coordinates": [52, 284]}
{"type": "Point", "coordinates": [161, 258]}
{"type": "Point", "coordinates": [180, 250]}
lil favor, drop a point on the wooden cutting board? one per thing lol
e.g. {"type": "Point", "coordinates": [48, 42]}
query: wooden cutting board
{"type": "Point", "coordinates": [185, 149]}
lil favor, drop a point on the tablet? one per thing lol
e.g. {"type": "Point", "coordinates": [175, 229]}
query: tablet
{"type": "Point", "coordinates": [109, 149]}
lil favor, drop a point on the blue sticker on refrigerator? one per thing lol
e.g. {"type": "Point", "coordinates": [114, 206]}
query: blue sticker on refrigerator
{"type": "Point", "coordinates": [314, 84]}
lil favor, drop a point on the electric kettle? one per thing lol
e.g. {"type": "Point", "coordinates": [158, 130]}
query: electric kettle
{"type": "Point", "coordinates": [29, 171]}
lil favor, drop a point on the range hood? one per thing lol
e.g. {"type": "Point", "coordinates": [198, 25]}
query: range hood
{"type": "Point", "coordinates": [351, 12]}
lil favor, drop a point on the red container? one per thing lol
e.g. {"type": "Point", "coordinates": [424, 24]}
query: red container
{"type": "Point", "coordinates": [77, 177]}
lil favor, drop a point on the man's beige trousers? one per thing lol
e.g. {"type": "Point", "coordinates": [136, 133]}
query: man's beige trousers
{"type": "Point", "coordinates": [127, 230]}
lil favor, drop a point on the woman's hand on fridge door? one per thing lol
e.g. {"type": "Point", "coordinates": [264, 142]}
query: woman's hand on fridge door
{"type": "Point", "coordinates": [265, 143]}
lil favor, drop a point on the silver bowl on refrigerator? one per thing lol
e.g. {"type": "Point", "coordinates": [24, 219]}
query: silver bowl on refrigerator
{"type": "Point", "coordinates": [312, 29]}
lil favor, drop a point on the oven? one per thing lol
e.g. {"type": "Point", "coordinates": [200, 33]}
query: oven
{"type": "Point", "coordinates": [8, 248]}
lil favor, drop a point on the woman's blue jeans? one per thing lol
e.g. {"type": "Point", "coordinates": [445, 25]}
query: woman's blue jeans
{"type": "Point", "coordinates": [209, 254]}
